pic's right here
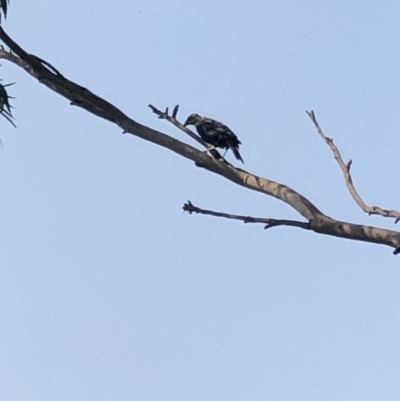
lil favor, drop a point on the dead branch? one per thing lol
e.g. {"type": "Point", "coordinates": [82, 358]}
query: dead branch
{"type": "Point", "coordinates": [79, 96]}
{"type": "Point", "coordinates": [172, 119]}
{"type": "Point", "coordinates": [190, 208]}
{"type": "Point", "coordinates": [345, 167]}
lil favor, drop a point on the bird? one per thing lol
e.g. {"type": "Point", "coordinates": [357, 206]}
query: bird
{"type": "Point", "coordinates": [215, 133]}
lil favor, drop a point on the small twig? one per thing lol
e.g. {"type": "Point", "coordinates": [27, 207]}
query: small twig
{"type": "Point", "coordinates": [190, 208]}
{"type": "Point", "coordinates": [175, 111]}
{"type": "Point", "coordinates": [173, 120]}
{"type": "Point", "coordinates": [345, 167]}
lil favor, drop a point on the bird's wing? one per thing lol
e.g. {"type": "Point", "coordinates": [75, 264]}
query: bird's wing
{"type": "Point", "coordinates": [213, 125]}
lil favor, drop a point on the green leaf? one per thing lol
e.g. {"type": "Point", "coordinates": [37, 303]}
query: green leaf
{"type": "Point", "coordinates": [5, 107]}
{"type": "Point", "coordinates": [4, 99]}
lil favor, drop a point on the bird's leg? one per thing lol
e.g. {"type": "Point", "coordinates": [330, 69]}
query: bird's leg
{"type": "Point", "coordinates": [225, 153]}
{"type": "Point", "coordinates": [212, 147]}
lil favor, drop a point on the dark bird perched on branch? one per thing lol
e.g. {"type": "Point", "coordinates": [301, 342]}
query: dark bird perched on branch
{"type": "Point", "coordinates": [215, 133]}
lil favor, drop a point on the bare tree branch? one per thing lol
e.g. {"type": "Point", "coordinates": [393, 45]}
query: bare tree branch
{"type": "Point", "coordinates": [345, 167]}
{"type": "Point", "coordinates": [172, 119]}
{"type": "Point", "coordinates": [79, 96]}
{"type": "Point", "coordinates": [190, 208]}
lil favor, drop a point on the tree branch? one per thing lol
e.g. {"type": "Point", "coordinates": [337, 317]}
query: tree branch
{"type": "Point", "coordinates": [345, 167]}
{"type": "Point", "coordinates": [172, 119]}
{"type": "Point", "coordinates": [79, 96]}
{"type": "Point", "coordinates": [190, 208]}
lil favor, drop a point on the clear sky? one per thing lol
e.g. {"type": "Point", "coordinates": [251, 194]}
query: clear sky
{"type": "Point", "coordinates": [109, 292]}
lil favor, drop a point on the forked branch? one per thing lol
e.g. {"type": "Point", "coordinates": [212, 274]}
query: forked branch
{"type": "Point", "coordinates": [345, 167]}
{"type": "Point", "coordinates": [164, 115]}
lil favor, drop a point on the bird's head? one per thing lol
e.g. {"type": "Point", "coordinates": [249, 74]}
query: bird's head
{"type": "Point", "coordinates": [193, 119]}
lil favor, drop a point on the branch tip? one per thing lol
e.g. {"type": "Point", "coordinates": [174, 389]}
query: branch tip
{"type": "Point", "coordinates": [172, 119]}
{"type": "Point", "coordinates": [311, 114]}
{"type": "Point", "coordinates": [175, 111]}
{"type": "Point", "coordinates": [188, 207]}
{"type": "Point", "coordinates": [345, 167]}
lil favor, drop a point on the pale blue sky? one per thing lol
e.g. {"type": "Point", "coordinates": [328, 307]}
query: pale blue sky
{"type": "Point", "coordinates": [109, 292]}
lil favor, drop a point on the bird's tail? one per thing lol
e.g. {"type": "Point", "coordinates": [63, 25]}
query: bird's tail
{"type": "Point", "coordinates": [236, 153]}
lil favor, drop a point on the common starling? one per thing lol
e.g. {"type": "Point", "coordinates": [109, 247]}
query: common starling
{"type": "Point", "coordinates": [215, 133]}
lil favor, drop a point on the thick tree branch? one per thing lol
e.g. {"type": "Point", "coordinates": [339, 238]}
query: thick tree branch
{"type": "Point", "coordinates": [87, 100]}
{"type": "Point", "coordinates": [345, 167]}
{"type": "Point", "coordinates": [46, 74]}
